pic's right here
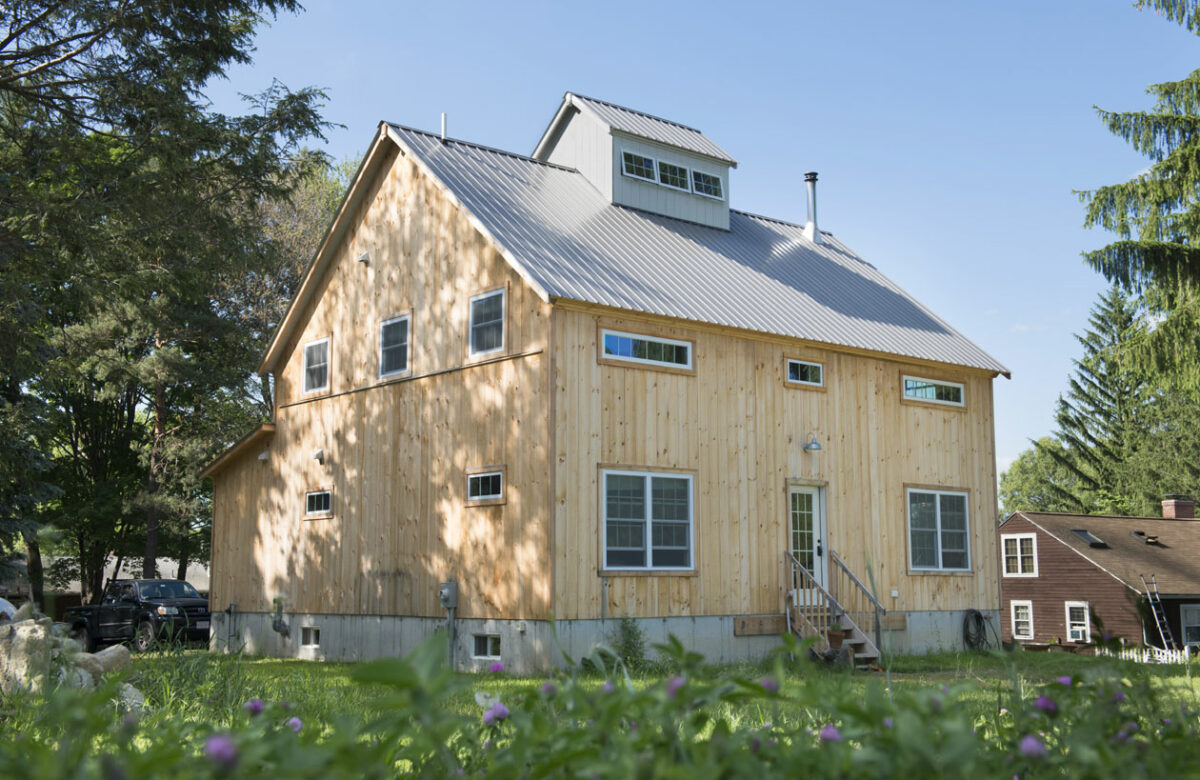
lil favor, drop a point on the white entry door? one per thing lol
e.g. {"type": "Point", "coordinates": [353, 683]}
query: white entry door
{"type": "Point", "coordinates": [807, 515]}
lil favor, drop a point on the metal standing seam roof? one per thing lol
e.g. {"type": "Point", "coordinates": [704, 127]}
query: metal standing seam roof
{"type": "Point", "coordinates": [646, 126]}
{"type": "Point", "coordinates": [761, 274]}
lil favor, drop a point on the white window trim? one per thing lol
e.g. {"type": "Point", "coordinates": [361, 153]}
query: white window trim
{"type": "Point", "coordinates": [1087, 624]}
{"type": "Point", "coordinates": [648, 520]}
{"type": "Point", "coordinates": [503, 320]}
{"type": "Point", "coordinates": [407, 346]}
{"type": "Point", "coordinates": [653, 163]}
{"type": "Point", "coordinates": [489, 496]}
{"type": "Point", "coordinates": [908, 513]}
{"type": "Point", "coordinates": [721, 179]}
{"type": "Point", "coordinates": [961, 387]}
{"type": "Point", "coordinates": [323, 512]}
{"type": "Point", "coordinates": [691, 348]}
{"type": "Point", "coordinates": [1004, 555]}
{"type": "Point", "coordinates": [791, 381]}
{"type": "Point", "coordinates": [488, 656]}
{"type": "Point", "coordinates": [1012, 619]}
{"type": "Point", "coordinates": [304, 366]}
{"type": "Point", "coordinates": [687, 176]}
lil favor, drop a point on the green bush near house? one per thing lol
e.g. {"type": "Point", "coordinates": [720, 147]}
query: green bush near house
{"type": "Point", "coordinates": [956, 715]}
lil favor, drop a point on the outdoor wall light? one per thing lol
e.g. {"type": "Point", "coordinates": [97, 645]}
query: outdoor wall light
{"type": "Point", "coordinates": [812, 445]}
{"type": "Point", "coordinates": [319, 457]}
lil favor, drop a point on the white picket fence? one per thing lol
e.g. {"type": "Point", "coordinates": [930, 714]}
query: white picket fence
{"type": "Point", "coordinates": [1150, 655]}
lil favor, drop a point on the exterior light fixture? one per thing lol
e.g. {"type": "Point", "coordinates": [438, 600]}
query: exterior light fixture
{"type": "Point", "coordinates": [812, 445]}
{"type": "Point", "coordinates": [319, 457]}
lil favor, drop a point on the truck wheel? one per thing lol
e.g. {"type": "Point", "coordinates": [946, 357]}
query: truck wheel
{"type": "Point", "coordinates": [84, 637]}
{"type": "Point", "coordinates": [144, 637]}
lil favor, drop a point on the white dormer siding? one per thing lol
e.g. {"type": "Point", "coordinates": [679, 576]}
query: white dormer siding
{"type": "Point", "coordinates": [588, 135]}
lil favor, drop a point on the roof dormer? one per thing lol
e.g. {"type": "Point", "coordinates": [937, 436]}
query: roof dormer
{"type": "Point", "coordinates": [639, 160]}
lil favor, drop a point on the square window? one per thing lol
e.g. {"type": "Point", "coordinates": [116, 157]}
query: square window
{"type": "Point", "coordinates": [393, 346]}
{"type": "Point", "coordinates": [485, 486]}
{"type": "Point", "coordinates": [673, 176]}
{"type": "Point", "coordinates": [316, 366]}
{"type": "Point", "coordinates": [647, 520]}
{"type": "Point", "coordinates": [318, 502]}
{"type": "Point", "coordinates": [487, 646]}
{"type": "Point", "coordinates": [938, 530]}
{"type": "Point", "coordinates": [487, 323]}
{"type": "Point", "coordinates": [803, 372]}
{"type": "Point", "coordinates": [637, 166]}
{"type": "Point", "coordinates": [310, 636]}
{"type": "Point", "coordinates": [1020, 554]}
{"type": "Point", "coordinates": [707, 184]}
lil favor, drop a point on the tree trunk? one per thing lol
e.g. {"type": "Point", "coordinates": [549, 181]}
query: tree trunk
{"type": "Point", "coordinates": [33, 568]}
{"type": "Point", "coordinates": [185, 554]}
{"type": "Point", "coordinates": [150, 561]}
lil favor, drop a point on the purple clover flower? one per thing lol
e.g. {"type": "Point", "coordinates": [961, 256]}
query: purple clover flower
{"type": "Point", "coordinates": [1119, 697]}
{"type": "Point", "coordinates": [295, 724]}
{"type": "Point", "coordinates": [674, 684]}
{"type": "Point", "coordinates": [1032, 747]}
{"type": "Point", "coordinates": [888, 722]}
{"type": "Point", "coordinates": [549, 688]}
{"type": "Point", "coordinates": [830, 733]}
{"type": "Point", "coordinates": [496, 712]}
{"type": "Point", "coordinates": [770, 685]}
{"type": "Point", "coordinates": [755, 745]}
{"type": "Point", "coordinates": [496, 668]}
{"type": "Point", "coordinates": [254, 707]}
{"type": "Point", "coordinates": [221, 750]}
{"type": "Point", "coordinates": [1046, 705]}
{"type": "Point", "coordinates": [607, 687]}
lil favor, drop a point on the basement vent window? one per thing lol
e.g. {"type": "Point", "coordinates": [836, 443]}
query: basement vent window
{"type": "Point", "coordinates": [318, 502]}
{"type": "Point", "coordinates": [485, 486]}
{"type": "Point", "coordinates": [637, 166]}
{"type": "Point", "coordinates": [1090, 538]}
{"type": "Point", "coordinates": [674, 176]}
{"type": "Point", "coordinates": [708, 185]}
{"type": "Point", "coordinates": [933, 391]}
{"type": "Point", "coordinates": [802, 372]}
{"type": "Point", "coordinates": [487, 646]}
{"type": "Point", "coordinates": [310, 636]}
{"type": "Point", "coordinates": [647, 349]}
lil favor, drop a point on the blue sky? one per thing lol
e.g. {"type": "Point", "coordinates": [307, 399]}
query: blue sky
{"type": "Point", "coordinates": [949, 136]}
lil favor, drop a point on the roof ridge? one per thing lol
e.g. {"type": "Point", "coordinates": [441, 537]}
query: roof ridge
{"type": "Point", "coordinates": [482, 147]}
{"type": "Point", "coordinates": [639, 113]}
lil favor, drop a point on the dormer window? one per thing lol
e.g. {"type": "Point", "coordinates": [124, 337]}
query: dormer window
{"type": "Point", "coordinates": [637, 166]}
{"type": "Point", "coordinates": [707, 184]}
{"type": "Point", "coordinates": [674, 176]}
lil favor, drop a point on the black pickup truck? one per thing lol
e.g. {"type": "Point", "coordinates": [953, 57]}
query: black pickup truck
{"type": "Point", "coordinates": [140, 612]}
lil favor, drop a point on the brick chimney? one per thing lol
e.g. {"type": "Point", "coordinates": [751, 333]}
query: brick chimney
{"type": "Point", "coordinates": [1178, 508]}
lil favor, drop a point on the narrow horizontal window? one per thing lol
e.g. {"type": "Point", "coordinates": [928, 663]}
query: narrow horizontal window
{"type": "Point", "coordinates": [675, 176]}
{"type": "Point", "coordinates": [647, 349]}
{"type": "Point", "coordinates": [1022, 619]}
{"type": "Point", "coordinates": [318, 502]}
{"type": "Point", "coordinates": [938, 531]}
{"type": "Point", "coordinates": [802, 372]}
{"type": "Point", "coordinates": [393, 347]}
{"type": "Point", "coordinates": [707, 184]}
{"type": "Point", "coordinates": [647, 520]}
{"type": "Point", "coordinates": [487, 646]}
{"type": "Point", "coordinates": [487, 322]}
{"type": "Point", "coordinates": [934, 391]}
{"type": "Point", "coordinates": [484, 486]}
{"type": "Point", "coordinates": [637, 166]}
{"type": "Point", "coordinates": [316, 366]}
{"type": "Point", "coordinates": [1020, 555]}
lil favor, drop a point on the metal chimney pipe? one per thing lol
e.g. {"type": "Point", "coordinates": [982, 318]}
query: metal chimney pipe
{"type": "Point", "coordinates": [810, 230]}
{"type": "Point", "coordinates": [443, 127]}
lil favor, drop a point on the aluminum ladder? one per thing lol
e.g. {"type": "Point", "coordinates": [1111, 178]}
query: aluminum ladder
{"type": "Point", "coordinates": [1160, 614]}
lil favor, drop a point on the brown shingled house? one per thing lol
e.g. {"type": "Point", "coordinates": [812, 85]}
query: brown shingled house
{"type": "Point", "coordinates": [1058, 570]}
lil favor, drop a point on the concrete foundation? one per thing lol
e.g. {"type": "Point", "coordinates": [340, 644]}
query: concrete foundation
{"type": "Point", "coordinates": [532, 646]}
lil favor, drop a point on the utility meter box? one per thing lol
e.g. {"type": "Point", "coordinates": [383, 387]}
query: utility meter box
{"type": "Point", "coordinates": [448, 594]}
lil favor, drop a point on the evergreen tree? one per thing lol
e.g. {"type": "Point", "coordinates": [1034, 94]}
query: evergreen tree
{"type": "Point", "coordinates": [1038, 482]}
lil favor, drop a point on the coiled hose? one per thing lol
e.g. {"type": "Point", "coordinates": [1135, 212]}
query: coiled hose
{"type": "Point", "coordinates": [975, 630]}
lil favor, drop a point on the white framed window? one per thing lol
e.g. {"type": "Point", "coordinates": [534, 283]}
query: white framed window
{"type": "Point", "coordinates": [485, 486]}
{"type": "Point", "coordinates": [310, 636]}
{"type": "Point", "coordinates": [487, 322]}
{"type": "Point", "coordinates": [938, 530]}
{"type": "Point", "coordinates": [1189, 624]}
{"type": "Point", "coordinates": [647, 520]}
{"type": "Point", "coordinates": [487, 646]}
{"type": "Point", "coordinates": [1020, 554]}
{"type": "Point", "coordinates": [1079, 623]}
{"type": "Point", "coordinates": [805, 372]}
{"type": "Point", "coordinates": [707, 185]}
{"type": "Point", "coordinates": [934, 391]}
{"type": "Point", "coordinates": [638, 166]}
{"type": "Point", "coordinates": [318, 502]}
{"type": "Point", "coordinates": [673, 176]}
{"type": "Point", "coordinates": [1022, 619]}
{"type": "Point", "coordinates": [649, 350]}
{"type": "Point", "coordinates": [316, 366]}
{"type": "Point", "coordinates": [393, 346]}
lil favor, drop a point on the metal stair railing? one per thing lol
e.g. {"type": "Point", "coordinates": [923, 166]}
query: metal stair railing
{"type": "Point", "coordinates": [856, 599]}
{"type": "Point", "coordinates": [1160, 614]}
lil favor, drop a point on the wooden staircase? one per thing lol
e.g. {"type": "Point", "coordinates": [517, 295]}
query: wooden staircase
{"type": "Point", "coordinates": [812, 609]}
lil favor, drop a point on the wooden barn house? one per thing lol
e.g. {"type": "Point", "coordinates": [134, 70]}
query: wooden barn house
{"type": "Point", "coordinates": [1059, 570]}
{"type": "Point", "coordinates": [529, 395]}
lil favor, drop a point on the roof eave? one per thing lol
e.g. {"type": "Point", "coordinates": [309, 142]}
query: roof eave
{"type": "Point", "coordinates": [554, 129]}
{"type": "Point", "coordinates": [263, 432]}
